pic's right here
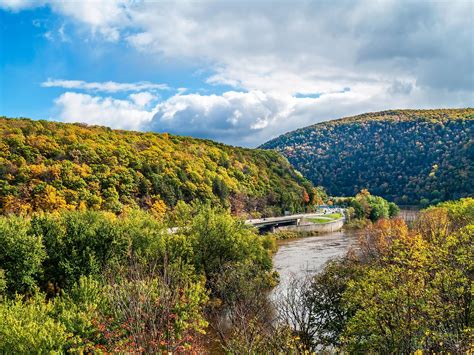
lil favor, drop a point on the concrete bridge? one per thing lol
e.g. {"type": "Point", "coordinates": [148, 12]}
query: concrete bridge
{"type": "Point", "coordinates": [270, 223]}
{"type": "Point", "coordinates": [295, 221]}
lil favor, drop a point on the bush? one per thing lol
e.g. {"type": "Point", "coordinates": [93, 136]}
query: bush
{"type": "Point", "coordinates": [218, 239]}
{"type": "Point", "coordinates": [79, 243]}
{"type": "Point", "coordinates": [27, 326]}
{"type": "Point", "coordinates": [3, 284]}
{"type": "Point", "coordinates": [21, 254]}
{"type": "Point", "coordinates": [393, 210]}
{"type": "Point", "coordinates": [154, 309]}
{"type": "Point", "coordinates": [80, 311]}
{"type": "Point", "coordinates": [243, 315]}
{"type": "Point", "coordinates": [121, 283]}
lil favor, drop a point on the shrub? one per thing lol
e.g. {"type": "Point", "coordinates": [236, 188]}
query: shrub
{"type": "Point", "coordinates": [154, 309]}
{"type": "Point", "coordinates": [21, 254]}
{"type": "Point", "coordinates": [27, 326]}
{"type": "Point", "coordinates": [79, 243]}
{"type": "Point", "coordinates": [80, 310]}
{"type": "Point", "coordinates": [218, 239]}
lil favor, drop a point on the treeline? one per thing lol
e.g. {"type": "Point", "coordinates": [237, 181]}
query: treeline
{"type": "Point", "coordinates": [93, 281]}
{"type": "Point", "coordinates": [401, 291]}
{"type": "Point", "coordinates": [418, 157]}
{"type": "Point", "coordinates": [49, 166]}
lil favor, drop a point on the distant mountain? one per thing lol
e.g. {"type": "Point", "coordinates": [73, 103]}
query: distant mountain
{"type": "Point", "coordinates": [49, 166]}
{"type": "Point", "coordinates": [406, 156]}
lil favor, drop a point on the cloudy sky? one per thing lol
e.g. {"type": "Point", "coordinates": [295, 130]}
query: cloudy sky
{"type": "Point", "coordinates": [239, 72]}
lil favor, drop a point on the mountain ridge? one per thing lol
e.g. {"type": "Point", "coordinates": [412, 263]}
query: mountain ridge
{"type": "Point", "coordinates": [409, 156]}
{"type": "Point", "coordinates": [46, 165]}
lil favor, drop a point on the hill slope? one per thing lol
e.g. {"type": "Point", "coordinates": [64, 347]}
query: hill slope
{"type": "Point", "coordinates": [48, 165]}
{"type": "Point", "coordinates": [407, 156]}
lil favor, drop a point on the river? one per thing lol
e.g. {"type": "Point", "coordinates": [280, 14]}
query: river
{"type": "Point", "coordinates": [296, 257]}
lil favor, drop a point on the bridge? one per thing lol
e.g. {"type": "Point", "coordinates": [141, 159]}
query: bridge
{"type": "Point", "coordinates": [270, 223]}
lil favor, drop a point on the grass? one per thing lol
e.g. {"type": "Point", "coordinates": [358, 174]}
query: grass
{"type": "Point", "coordinates": [327, 218]}
{"type": "Point", "coordinates": [333, 215]}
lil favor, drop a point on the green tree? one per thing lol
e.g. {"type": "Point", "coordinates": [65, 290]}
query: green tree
{"type": "Point", "coordinates": [221, 190]}
{"type": "Point", "coordinates": [79, 243]}
{"type": "Point", "coordinates": [28, 326]}
{"type": "Point", "coordinates": [393, 209]}
{"type": "Point", "coordinates": [21, 254]}
{"type": "Point", "coordinates": [218, 239]}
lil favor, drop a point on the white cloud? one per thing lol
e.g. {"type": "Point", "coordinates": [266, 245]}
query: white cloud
{"type": "Point", "coordinates": [17, 5]}
{"type": "Point", "coordinates": [390, 54]}
{"type": "Point", "coordinates": [104, 17]}
{"type": "Point", "coordinates": [229, 116]}
{"type": "Point", "coordinates": [124, 114]}
{"type": "Point", "coordinates": [239, 118]}
{"type": "Point", "coordinates": [107, 86]}
{"type": "Point", "coordinates": [312, 46]}
{"type": "Point", "coordinates": [143, 99]}
{"type": "Point", "coordinates": [251, 118]}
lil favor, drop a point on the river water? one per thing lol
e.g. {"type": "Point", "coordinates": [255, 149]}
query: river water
{"type": "Point", "coordinates": [297, 257]}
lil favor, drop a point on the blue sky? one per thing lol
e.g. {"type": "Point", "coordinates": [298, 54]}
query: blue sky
{"type": "Point", "coordinates": [33, 51]}
{"type": "Point", "coordinates": [237, 72]}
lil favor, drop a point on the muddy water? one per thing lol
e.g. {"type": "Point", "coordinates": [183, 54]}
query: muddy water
{"type": "Point", "coordinates": [296, 257]}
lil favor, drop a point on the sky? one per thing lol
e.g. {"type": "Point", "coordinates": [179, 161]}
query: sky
{"type": "Point", "coordinates": [238, 72]}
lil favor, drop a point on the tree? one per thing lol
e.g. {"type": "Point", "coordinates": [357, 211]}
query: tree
{"type": "Point", "coordinates": [28, 326]}
{"type": "Point", "coordinates": [218, 239]}
{"type": "Point", "coordinates": [393, 210]}
{"type": "Point", "coordinates": [404, 290]}
{"type": "Point", "coordinates": [21, 254]}
{"type": "Point", "coordinates": [404, 156]}
{"type": "Point", "coordinates": [49, 166]}
{"type": "Point", "coordinates": [242, 316]}
{"type": "Point", "coordinates": [313, 305]}
{"type": "Point", "coordinates": [155, 310]}
{"type": "Point", "coordinates": [79, 243]}
{"type": "Point", "coordinates": [158, 208]}
{"type": "Point", "coordinates": [220, 189]}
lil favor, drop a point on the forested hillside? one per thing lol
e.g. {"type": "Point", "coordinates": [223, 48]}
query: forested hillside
{"type": "Point", "coordinates": [50, 166]}
{"type": "Point", "coordinates": [406, 156]}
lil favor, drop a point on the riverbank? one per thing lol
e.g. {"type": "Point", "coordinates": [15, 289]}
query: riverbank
{"type": "Point", "coordinates": [316, 225]}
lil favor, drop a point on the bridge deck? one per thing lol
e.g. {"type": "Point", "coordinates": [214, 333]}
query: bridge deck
{"type": "Point", "coordinates": [260, 222]}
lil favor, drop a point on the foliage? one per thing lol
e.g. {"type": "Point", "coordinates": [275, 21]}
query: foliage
{"type": "Point", "coordinates": [242, 315]}
{"type": "Point", "coordinates": [406, 156]}
{"type": "Point", "coordinates": [3, 283]}
{"type": "Point", "coordinates": [48, 166]}
{"type": "Point", "coordinates": [155, 311]}
{"type": "Point", "coordinates": [21, 255]}
{"type": "Point", "coordinates": [122, 283]}
{"type": "Point", "coordinates": [79, 243]}
{"type": "Point", "coordinates": [312, 305]}
{"type": "Point", "coordinates": [80, 310]}
{"type": "Point", "coordinates": [28, 326]}
{"type": "Point", "coordinates": [367, 206]}
{"type": "Point", "coordinates": [402, 290]}
{"type": "Point", "coordinates": [218, 239]}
